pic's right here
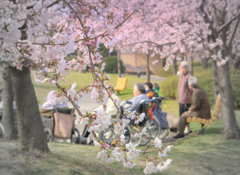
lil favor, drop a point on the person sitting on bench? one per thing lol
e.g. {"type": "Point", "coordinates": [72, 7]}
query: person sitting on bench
{"type": "Point", "coordinates": [200, 107]}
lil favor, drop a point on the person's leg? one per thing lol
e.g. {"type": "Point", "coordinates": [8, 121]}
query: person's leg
{"type": "Point", "coordinates": [181, 109]}
{"type": "Point", "coordinates": [181, 126]}
{"type": "Point", "coordinates": [186, 108]}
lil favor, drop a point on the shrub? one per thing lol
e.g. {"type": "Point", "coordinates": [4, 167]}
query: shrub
{"type": "Point", "coordinates": [169, 87]}
{"type": "Point", "coordinates": [163, 73]}
{"type": "Point", "coordinates": [205, 82]}
{"type": "Point", "coordinates": [112, 65]}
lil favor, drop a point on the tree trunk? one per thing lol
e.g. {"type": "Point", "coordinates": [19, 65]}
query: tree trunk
{"type": "Point", "coordinates": [216, 87]}
{"type": "Point", "coordinates": [163, 62]}
{"type": "Point", "coordinates": [231, 130]}
{"type": "Point", "coordinates": [9, 119]}
{"type": "Point", "coordinates": [147, 68]}
{"type": "Point", "coordinates": [119, 62]}
{"type": "Point", "coordinates": [175, 69]}
{"type": "Point", "coordinates": [236, 63]}
{"type": "Point", "coordinates": [30, 127]}
{"type": "Point", "coordinates": [204, 63]}
{"type": "Point", "coordinates": [190, 62]}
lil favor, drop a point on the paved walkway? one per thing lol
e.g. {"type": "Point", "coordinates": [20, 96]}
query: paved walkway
{"type": "Point", "coordinates": [154, 77]}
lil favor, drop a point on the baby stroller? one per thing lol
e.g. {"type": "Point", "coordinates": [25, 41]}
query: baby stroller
{"type": "Point", "coordinates": [59, 123]}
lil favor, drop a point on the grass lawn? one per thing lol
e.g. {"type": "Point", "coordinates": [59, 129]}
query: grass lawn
{"type": "Point", "coordinates": [205, 154]}
{"type": "Point", "coordinates": [84, 79]}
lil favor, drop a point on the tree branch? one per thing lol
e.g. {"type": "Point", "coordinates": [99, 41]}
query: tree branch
{"type": "Point", "coordinates": [119, 25]}
{"type": "Point", "coordinates": [227, 24]}
{"type": "Point", "coordinates": [234, 32]}
{"type": "Point", "coordinates": [95, 76]}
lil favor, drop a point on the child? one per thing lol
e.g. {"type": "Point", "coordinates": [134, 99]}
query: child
{"type": "Point", "coordinates": [157, 89]}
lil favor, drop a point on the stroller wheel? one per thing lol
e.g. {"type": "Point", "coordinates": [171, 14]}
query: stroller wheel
{"type": "Point", "coordinates": [48, 134]}
{"type": "Point", "coordinates": [75, 136]}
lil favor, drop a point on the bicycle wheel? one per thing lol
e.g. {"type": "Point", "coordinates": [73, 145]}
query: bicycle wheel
{"type": "Point", "coordinates": [136, 138]}
{"type": "Point", "coordinates": [146, 137]}
{"type": "Point", "coordinates": [48, 134]}
{"type": "Point", "coordinates": [1, 131]}
{"type": "Point", "coordinates": [152, 131]}
{"type": "Point", "coordinates": [163, 133]}
{"type": "Point", "coordinates": [108, 135]}
{"type": "Point", "coordinates": [75, 138]}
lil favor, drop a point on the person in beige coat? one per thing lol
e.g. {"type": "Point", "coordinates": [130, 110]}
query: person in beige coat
{"type": "Point", "coordinates": [199, 106]}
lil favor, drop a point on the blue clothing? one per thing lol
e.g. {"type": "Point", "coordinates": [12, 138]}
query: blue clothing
{"type": "Point", "coordinates": [136, 101]}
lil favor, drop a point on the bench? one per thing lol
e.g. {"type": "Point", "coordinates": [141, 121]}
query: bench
{"type": "Point", "coordinates": [121, 84]}
{"type": "Point", "coordinates": [214, 116]}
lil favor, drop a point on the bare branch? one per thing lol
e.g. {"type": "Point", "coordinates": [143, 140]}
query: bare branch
{"type": "Point", "coordinates": [119, 25]}
{"type": "Point", "coordinates": [228, 23]}
{"type": "Point", "coordinates": [52, 4]}
{"type": "Point", "coordinates": [234, 32]}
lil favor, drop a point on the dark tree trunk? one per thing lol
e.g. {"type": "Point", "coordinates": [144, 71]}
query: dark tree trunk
{"type": "Point", "coordinates": [204, 63]}
{"type": "Point", "coordinates": [147, 68]}
{"type": "Point", "coordinates": [175, 69]}
{"type": "Point", "coordinates": [119, 62]}
{"type": "Point", "coordinates": [30, 127]}
{"type": "Point", "coordinates": [231, 130]}
{"type": "Point", "coordinates": [163, 62]}
{"type": "Point", "coordinates": [190, 62]}
{"type": "Point", "coordinates": [236, 63]}
{"type": "Point", "coordinates": [216, 87]}
{"type": "Point", "coordinates": [8, 111]}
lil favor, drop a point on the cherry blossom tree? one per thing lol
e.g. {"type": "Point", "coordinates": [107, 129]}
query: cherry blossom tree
{"type": "Point", "coordinates": [175, 29]}
{"type": "Point", "coordinates": [13, 28]}
{"type": "Point", "coordinates": [224, 17]}
{"type": "Point", "coordinates": [44, 34]}
{"type": "Point", "coordinates": [39, 35]}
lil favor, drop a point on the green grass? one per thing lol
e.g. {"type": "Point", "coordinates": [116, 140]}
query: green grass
{"type": "Point", "coordinates": [202, 154]}
{"type": "Point", "coordinates": [171, 106]}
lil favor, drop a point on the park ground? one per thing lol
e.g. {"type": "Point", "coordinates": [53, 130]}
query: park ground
{"type": "Point", "coordinates": [207, 154]}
